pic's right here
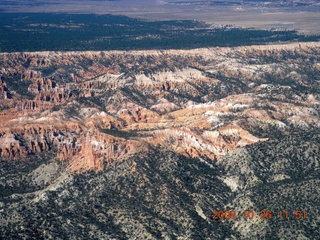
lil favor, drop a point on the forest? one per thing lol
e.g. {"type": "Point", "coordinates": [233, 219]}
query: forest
{"type": "Point", "coordinates": [81, 32]}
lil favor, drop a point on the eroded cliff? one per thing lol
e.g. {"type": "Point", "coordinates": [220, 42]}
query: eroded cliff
{"type": "Point", "coordinates": [90, 108]}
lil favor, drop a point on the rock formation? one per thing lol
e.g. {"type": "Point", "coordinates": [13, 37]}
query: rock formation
{"type": "Point", "coordinates": [91, 108]}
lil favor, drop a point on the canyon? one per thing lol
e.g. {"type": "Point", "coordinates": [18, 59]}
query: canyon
{"type": "Point", "coordinates": [199, 103]}
{"type": "Point", "coordinates": [145, 144]}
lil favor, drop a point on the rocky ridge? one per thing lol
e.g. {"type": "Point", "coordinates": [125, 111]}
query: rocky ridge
{"type": "Point", "coordinates": [200, 103]}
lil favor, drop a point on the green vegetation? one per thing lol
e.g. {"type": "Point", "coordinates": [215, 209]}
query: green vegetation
{"type": "Point", "coordinates": [119, 133]}
{"type": "Point", "coordinates": [66, 32]}
{"type": "Point", "coordinates": [157, 199]}
{"type": "Point", "coordinates": [278, 175]}
{"type": "Point", "coordinates": [157, 194]}
{"type": "Point", "coordinates": [19, 86]}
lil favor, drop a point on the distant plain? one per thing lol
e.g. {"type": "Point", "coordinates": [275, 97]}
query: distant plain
{"type": "Point", "coordinates": [303, 15]}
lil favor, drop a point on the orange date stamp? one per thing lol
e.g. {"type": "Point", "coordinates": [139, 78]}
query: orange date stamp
{"type": "Point", "coordinates": [261, 215]}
